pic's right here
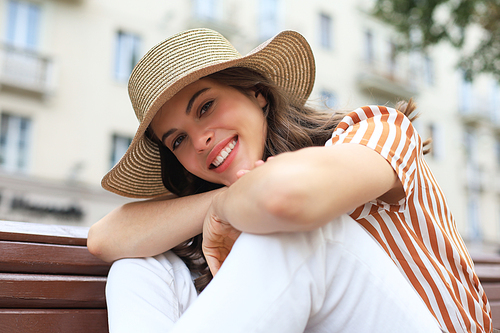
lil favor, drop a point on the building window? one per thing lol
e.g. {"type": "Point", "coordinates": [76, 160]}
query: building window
{"type": "Point", "coordinates": [268, 19]}
{"type": "Point", "coordinates": [391, 58]}
{"type": "Point", "coordinates": [475, 233]}
{"type": "Point", "coordinates": [205, 9]}
{"type": "Point", "coordinates": [23, 24]}
{"type": "Point", "coordinates": [470, 145]}
{"type": "Point", "coordinates": [428, 70]}
{"type": "Point", "coordinates": [472, 167]}
{"type": "Point", "coordinates": [120, 146]}
{"type": "Point", "coordinates": [329, 99]}
{"type": "Point", "coordinates": [325, 31]}
{"type": "Point", "coordinates": [438, 147]}
{"type": "Point", "coordinates": [369, 47]}
{"type": "Point", "coordinates": [465, 94]}
{"type": "Point", "coordinates": [497, 151]}
{"type": "Point", "coordinates": [15, 134]}
{"type": "Point", "coordinates": [495, 102]}
{"type": "Point", "coordinates": [127, 54]}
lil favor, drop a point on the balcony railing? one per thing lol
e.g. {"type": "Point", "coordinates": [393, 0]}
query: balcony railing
{"type": "Point", "coordinates": [387, 79]}
{"type": "Point", "coordinates": [25, 70]}
{"type": "Point", "coordinates": [478, 110]}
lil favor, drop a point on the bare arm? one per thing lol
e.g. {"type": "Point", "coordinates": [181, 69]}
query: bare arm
{"type": "Point", "coordinates": [306, 189]}
{"type": "Point", "coordinates": [148, 228]}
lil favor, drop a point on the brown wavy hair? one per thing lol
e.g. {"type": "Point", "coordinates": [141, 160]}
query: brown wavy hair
{"type": "Point", "coordinates": [291, 126]}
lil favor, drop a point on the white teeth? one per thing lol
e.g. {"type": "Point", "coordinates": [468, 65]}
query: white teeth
{"type": "Point", "coordinates": [224, 154]}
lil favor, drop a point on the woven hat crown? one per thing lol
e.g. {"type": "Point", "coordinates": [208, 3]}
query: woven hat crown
{"type": "Point", "coordinates": [171, 61]}
{"type": "Point", "coordinates": [182, 59]}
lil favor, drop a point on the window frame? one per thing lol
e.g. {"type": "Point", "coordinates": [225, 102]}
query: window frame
{"type": "Point", "coordinates": [127, 54]}
{"type": "Point", "coordinates": [118, 148]}
{"type": "Point", "coordinates": [23, 24]}
{"type": "Point", "coordinates": [15, 142]}
{"type": "Point", "coordinates": [326, 31]}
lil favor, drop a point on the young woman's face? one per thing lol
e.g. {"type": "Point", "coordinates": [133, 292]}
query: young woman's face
{"type": "Point", "coordinates": [214, 130]}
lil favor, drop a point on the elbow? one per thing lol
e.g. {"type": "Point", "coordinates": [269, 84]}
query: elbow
{"type": "Point", "coordinates": [93, 244]}
{"type": "Point", "coordinates": [96, 245]}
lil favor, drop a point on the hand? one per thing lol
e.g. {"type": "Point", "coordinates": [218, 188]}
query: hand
{"type": "Point", "coordinates": [241, 173]}
{"type": "Point", "coordinates": [218, 239]}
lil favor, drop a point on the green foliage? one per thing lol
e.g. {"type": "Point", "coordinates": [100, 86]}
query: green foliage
{"type": "Point", "coordinates": [424, 23]}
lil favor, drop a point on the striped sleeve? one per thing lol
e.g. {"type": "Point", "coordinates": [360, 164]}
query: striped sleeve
{"type": "Point", "coordinates": [389, 133]}
{"type": "Point", "coordinates": [419, 233]}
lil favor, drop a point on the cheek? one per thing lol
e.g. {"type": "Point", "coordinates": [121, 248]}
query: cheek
{"type": "Point", "coordinates": [188, 162]}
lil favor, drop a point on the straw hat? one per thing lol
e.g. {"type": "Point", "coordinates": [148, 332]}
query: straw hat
{"type": "Point", "coordinates": [176, 62]}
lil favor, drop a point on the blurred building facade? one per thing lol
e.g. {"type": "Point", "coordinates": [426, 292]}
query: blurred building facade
{"type": "Point", "coordinates": [66, 117]}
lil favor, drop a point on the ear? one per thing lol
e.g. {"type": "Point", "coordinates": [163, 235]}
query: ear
{"type": "Point", "coordinates": [260, 99]}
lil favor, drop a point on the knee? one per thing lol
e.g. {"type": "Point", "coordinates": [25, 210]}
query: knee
{"type": "Point", "coordinates": [161, 282]}
{"type": "Point", "coordinates": [124, 274]}
{"type": "Point", "coordinates": [132, 273]}
{"type": "Point", "coordinates": [120, 268]}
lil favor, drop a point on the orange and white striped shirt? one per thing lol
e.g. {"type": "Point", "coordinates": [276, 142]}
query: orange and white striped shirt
{"type": "Point", "coordinates": [418, 233]}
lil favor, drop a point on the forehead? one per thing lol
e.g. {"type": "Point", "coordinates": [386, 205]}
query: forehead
{"type": "Point", "coordinates": [188, 91]}
{"type": "Point", "coordinates": [179, 102]}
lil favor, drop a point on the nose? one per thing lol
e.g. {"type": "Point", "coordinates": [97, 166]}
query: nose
{"type": "Point", "coordinates": [203, 140]}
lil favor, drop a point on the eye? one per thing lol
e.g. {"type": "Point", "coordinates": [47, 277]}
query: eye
{"type": "Point", "coordinates": [178, 140]}
{"type": "Point", "coordinates": [205, 107]}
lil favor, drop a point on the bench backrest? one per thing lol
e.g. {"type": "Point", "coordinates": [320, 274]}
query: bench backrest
{"type": "Point", "coordinates": [49, 282]}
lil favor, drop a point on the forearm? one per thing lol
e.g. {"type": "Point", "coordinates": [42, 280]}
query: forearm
{"type": "Point", "coordinates": [268, 198]}
{"type": "Point", "coordinates": [148, 228]}
{"type": "Point", "coordinates": [305, 189]}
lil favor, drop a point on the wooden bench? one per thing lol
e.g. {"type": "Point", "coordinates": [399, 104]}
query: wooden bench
{"type": "Point", "coordinates": [488, 270]}
{"type": "Point", "coordinates": [49, 282]}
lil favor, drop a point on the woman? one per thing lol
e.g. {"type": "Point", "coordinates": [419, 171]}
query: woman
{"type": "Point", "coordinates": [208, 119]}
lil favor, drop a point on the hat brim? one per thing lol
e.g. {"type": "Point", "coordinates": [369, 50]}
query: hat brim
{"type": "Point", "coordinates": [286, 59]}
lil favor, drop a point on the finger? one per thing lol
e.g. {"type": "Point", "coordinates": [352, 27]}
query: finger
{"type": "Point", "coordinates": [213, 264]}
{"type": "Point", "coordinates": [241, 173]}
{"type": "Point", "coordinates": [259, 163]}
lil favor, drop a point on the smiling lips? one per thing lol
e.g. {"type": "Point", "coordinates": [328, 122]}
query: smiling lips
{"type": "Point", "coordinates": [223, 154]}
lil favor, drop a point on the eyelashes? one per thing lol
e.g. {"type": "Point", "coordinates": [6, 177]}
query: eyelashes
{"type": "Point", "coordinates": [203, 109]}
{"type": "Point", "coordinates": [177, 141]}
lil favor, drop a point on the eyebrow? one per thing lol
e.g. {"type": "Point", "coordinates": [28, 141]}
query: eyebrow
{"type": "Point", "coordinates": [193, 98]}
{"type": "Point", "coordinates": [188, 111]}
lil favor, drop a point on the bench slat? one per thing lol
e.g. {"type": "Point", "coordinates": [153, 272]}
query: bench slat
{"type": "Point", "coordinates": [18, 257]}
{"type": "Point", "coordinates": [488, 272]}
{"type": "Point", "coordinates": [492, 290]}
{"type": "Point", "coordinates": [48, 239]}
{"type": "Point", "coordinates": [51, 291]}
{"type": "Point", "coordinates": [43, 233]}
{"type": "Point", "coordinates": [486, 259]}
{"type": "Point", "coordinates": [495, 313]}
{"type": "Point", "coordinates": [53, 321]}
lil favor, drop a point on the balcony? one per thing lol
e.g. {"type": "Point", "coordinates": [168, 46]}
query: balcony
{"type": "Point", "coordinates": [386, 79]}
{"type": "Point", "coordinates": [477, 109]}
{"type": "Point", "coordinates": [476, 116]}
{"type": "Point", "coordinates": [25, 71]}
